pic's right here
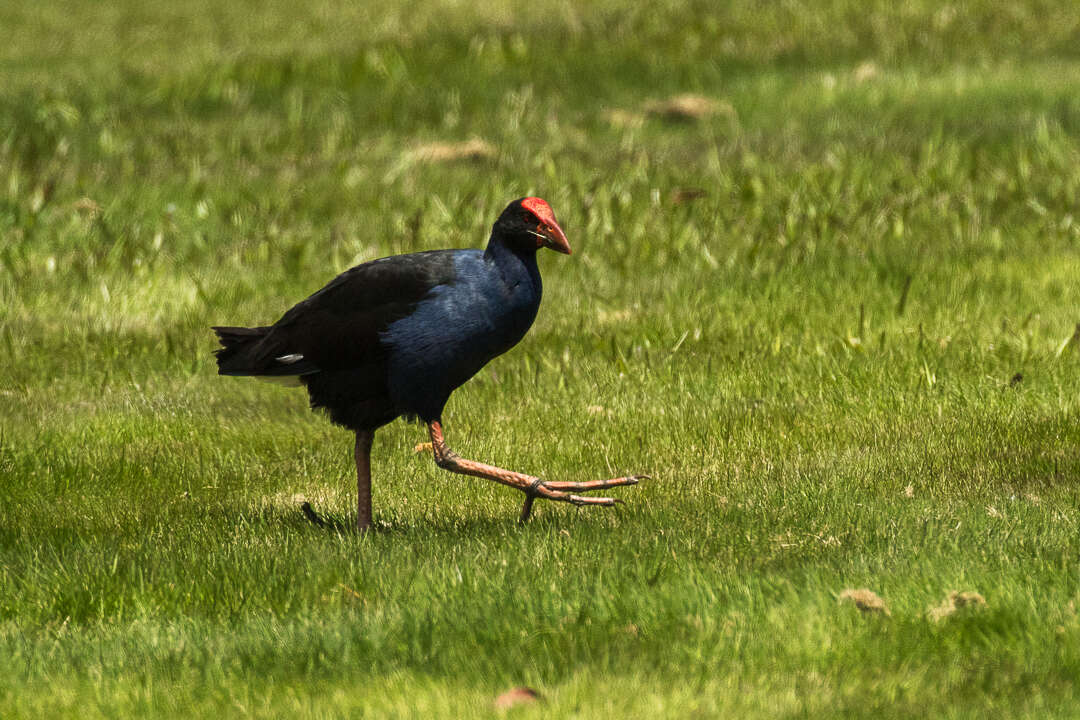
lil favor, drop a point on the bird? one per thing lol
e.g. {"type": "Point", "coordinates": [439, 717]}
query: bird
{"type": "Point", "coordinates": [394, 337]}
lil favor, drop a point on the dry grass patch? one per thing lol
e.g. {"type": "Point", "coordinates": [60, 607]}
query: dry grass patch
{"type": "Point", "coordinates": [957, 601]}
{"type": "Point", "coordinates": [473, 150]}
{"type": "Point", "coordinates": [87, 206]}
{"type": "Point", "coordinates": [866, 600]}
{"type": "Point", "coordinates": [688, 107]}
{"type": "Point", "coordinates": [624, 118]}
{"type": "Point", "coordinates": [683, 196]}
{"type": "Point", "coordinates": [516, 696]}
{"type": "Point", "coordinates": [865, 71]}
{"type": "Point", "coordinates": [609, 317]}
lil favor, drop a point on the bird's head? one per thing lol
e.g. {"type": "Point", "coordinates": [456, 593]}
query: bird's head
{"type": "Point", "coordinates": [529, 224]}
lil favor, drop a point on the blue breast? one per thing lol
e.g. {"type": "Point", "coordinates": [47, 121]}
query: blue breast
{"type": "Point", "coordinates": [458, 328]}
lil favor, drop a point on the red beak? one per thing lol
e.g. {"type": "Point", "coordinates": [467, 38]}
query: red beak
{"type": "Point", "coordinates": [555, 238]}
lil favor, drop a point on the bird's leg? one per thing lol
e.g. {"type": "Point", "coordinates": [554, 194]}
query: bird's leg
{"type": "Point", "coordinates": [362, 453]}
{"type": "Point", "coordinates": [533, 487]}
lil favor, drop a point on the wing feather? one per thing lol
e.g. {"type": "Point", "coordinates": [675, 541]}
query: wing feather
{"type": "Point", "coordinates": [339, 327]}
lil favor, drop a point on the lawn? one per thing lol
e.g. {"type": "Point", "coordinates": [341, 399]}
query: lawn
{"type": "Point", "coordinates": [828, 299]}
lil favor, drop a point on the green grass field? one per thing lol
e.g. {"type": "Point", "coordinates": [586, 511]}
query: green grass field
{"type": "Point", "coordinates": [848, 362]}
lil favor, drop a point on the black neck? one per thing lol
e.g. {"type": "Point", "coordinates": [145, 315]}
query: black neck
{"type": "Point", "coordinates": [523, 247]}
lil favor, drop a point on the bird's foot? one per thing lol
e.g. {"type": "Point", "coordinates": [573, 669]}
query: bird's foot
{"type": "Point", "coordinates": [533, 487]}
{"type": "Point", "coordinates": [564, 492]}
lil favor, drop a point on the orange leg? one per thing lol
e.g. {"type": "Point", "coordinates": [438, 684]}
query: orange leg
{"type": "Point", "coordinates": [533, 487]}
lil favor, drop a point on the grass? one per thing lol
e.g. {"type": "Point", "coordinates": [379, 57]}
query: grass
{"type": "Point", "coordinates": [850, 363]}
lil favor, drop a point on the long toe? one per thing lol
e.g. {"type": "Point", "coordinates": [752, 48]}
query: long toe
{"type": "Point", "coordinates": [561, 491]}
{"type": "Point", "coordinates": [582, 500]}
{"type": "Point", "coordinates": [591, 485]}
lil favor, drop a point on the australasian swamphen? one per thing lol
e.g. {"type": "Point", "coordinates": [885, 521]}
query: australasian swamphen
{"type": "Point", "coordinates": [395, 336]}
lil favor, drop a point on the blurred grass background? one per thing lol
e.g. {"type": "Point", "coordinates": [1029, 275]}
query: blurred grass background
{"type": "Point", "coordinates": [829, 302]}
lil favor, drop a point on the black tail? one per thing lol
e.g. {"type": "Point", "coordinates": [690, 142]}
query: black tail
{"type": "Point", "coordinates": [238, 354]}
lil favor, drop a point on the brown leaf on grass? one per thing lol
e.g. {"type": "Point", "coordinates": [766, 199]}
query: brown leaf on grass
{"type": "Point", "coordinates": [957, 601]}
{"type": "Point", "coordinates": [682, 196]}
{"type": "Point", "coordinates": [422, 447]}
{"type": "Point", "coordinates": [688, 107]}
{"type": "Point", "coordinates": [866, 600]}
{"type": "Point", "coordinates": [472, 150]}
{"type": "Point", "coordinates": [516, 696]}
{"type": "Point", "coordinates": [88, 206]}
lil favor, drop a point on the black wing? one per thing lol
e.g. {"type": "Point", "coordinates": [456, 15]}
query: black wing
{"type": "Point", "coordinates": [338, 327]}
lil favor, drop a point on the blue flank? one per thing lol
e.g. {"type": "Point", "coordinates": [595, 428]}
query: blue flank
{"type": "Point", "coordinates": [458, 328]}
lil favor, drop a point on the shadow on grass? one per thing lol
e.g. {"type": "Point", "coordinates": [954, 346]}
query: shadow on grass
{"type": "Point", "coordinates": [306, 518]}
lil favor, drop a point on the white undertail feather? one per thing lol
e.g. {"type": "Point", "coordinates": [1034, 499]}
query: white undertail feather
{"type": "Point", "coordinates": [290, 358]}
